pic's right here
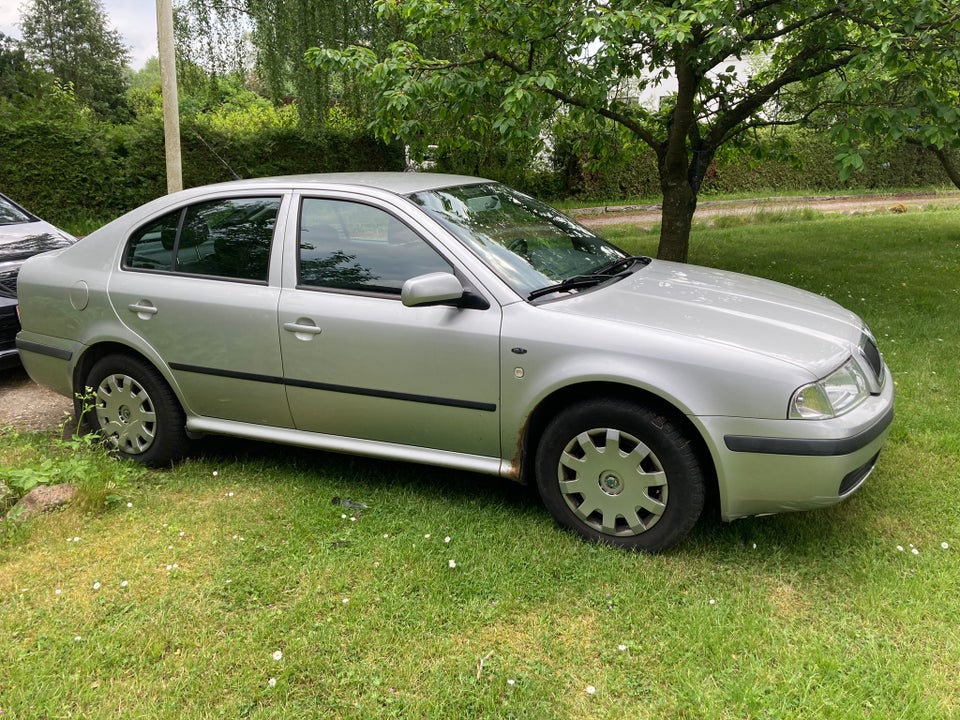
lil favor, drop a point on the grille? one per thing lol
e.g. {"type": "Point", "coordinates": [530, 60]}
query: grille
{"type": "Point", "coordinates": [872, 354]}
{"type": "Point", "coordinates": [9, 327]}
{"type": "Point", "coordinates": [8, 284]}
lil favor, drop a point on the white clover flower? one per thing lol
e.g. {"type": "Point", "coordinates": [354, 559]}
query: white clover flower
{"type": "Point", "coordinates": [77, 638]}
{"type": "Point", "coordinates": [96, 585]}
{"type": "Point", "coordinates": [215, 473]}
{"type": "Point", "coordinates": [123, 583]}
{"type": "Point", "coordinates": [712, 601]}
{"type": "Point", "coordinates": [278, 655]}
{"type": "Point", "coordinates": [591, 690]}
{"type": "Point", "coordinates": [427, 536]}
{"type": "Point", "coordinates": [621, 648]}
{"type": "Point", "coordinates": [345, 601]}
{"type": "Point", "coordinates": [453, 563]}
{"type": "Point", "coordinates": [76, 539]}
{"type": "Point", "coordinates": [182, 533]}
{"type": "Point", "coordinates": [129, 504]}
{"type": "Point", "coordinates": [57, 591]}
{"type": "Point", "coordinates": [386, 536]}
{"type": "Point", "coordinates": [915, 551]}
{"type": "Point", "coordinates": [511, 681]}
{"type": "Point", "coordinates": [900, 548]}
{"type": "Point", "coordinates": [272, 682]}
{"type": "Point", "coordinates": [945, 545]}
{"type": "Point", "coordinates": [446, 539]}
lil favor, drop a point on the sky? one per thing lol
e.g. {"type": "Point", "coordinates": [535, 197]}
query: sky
{"type": "Point", "coordinates": [136, 20]}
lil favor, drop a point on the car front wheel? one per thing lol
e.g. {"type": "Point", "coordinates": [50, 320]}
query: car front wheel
{"type": "Point", "coordinates": [135, 412]}
{"type": "Point", "coordinates": [620, 473]}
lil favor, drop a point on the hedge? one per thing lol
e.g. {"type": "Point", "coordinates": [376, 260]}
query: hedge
{"type": "Point", "coordinates": [66, 166]}
{"type": "Point", "coordinates": [69, 168]}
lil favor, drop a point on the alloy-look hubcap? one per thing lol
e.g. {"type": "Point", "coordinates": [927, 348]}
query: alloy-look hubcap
{"type": "Point", "coordinates": [613, 482]}
{"type": "Point", "coordinates": [125, 414]}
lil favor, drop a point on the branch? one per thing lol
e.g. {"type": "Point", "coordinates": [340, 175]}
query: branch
{"type": "Point", "coordinates": [623, 119]}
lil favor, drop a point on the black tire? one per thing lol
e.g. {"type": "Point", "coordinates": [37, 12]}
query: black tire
{"type": "Point", "coordinates": [620, 473]}
{"type": "Point", "coordinates": [135, 412]}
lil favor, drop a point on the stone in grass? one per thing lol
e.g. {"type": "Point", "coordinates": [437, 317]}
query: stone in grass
{"type": "Point", "coordinates": [41, 499]}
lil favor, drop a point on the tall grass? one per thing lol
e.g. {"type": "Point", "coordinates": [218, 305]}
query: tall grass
{"type": "Point", "coordinates": [233, 586]}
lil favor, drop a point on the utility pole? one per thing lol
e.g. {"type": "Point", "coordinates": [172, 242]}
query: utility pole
{"type": "Point", "coordinates": [168, 85]}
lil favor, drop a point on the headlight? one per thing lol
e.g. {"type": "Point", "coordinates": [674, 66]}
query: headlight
{"type": "Point", "coordinates": [840, 391]}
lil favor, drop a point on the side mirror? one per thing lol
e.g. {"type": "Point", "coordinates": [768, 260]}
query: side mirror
{"type": "Point", "coordinates": [431, 289]}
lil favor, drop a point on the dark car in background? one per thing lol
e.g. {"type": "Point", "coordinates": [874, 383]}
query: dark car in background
{"type": "Point", "coordinates": [22, 235]}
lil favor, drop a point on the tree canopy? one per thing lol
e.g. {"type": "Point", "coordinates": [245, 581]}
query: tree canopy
{"type": "Point", "coordinates": [907, 91]}
{"type": "Point", "coordinates": [72, 40]}
{"type": "Point", "coordinates": [542, 57]}
{"type": "Point", "coordinates": [277, 34]}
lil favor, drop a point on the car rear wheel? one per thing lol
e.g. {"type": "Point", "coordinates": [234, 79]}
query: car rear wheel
{"type": "Point", "coordinates": [620, 473]}
{"type": "Point", "coordinates": [135, 411]}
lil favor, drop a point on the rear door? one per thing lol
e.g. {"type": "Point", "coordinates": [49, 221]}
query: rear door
{"type": "Point", "coordinates": [194, 285]}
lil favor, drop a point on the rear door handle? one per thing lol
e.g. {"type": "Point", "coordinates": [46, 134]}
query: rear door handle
{"type": "Point", "coordinates": [144, 309]}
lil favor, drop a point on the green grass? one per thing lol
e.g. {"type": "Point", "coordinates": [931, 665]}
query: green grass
{"type": "Point", "coordinates": [239, 553]}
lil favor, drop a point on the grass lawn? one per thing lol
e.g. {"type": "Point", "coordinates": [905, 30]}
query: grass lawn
{"type": "Point", "coordinates": [233, 587]}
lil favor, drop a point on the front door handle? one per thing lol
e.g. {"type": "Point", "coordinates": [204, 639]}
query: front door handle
{"type": "Point", "coordinates": [143, 308]}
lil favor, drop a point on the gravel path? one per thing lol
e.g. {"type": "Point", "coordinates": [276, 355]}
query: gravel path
{"type": "Point", "coordinates": [646, 216]}
{"type": "Point", "coordinates": [24, 405]}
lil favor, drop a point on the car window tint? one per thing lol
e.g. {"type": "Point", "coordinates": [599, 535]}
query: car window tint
{"type": "Point", "coordinates": [352, 246]}
{"type": "Point", "coordinates": [151, 247]}
{"type": "Point", "coordinates": [222, 238]}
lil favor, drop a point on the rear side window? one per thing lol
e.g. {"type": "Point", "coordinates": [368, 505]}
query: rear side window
{"type": "Point", "coordinates": [228, 238]}
{"type": "Point", "coordinates": [351, 246]}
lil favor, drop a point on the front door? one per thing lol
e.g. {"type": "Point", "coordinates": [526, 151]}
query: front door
{"type": "Point", "coordinates": [358, 363]}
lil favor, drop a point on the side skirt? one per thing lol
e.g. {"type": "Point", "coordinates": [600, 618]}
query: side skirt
{"type": "Point", "coordinates": [354, 446]}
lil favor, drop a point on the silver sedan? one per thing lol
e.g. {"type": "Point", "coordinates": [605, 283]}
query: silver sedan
{"type": "Point", "coordinates": [453, 321]}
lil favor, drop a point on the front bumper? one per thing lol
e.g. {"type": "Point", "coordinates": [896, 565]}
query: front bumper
{"type": "Point", "coordinates": [772, 466]}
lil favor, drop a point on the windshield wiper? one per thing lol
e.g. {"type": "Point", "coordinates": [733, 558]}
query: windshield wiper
{"type": "Point", "coordinates": [577, 282]}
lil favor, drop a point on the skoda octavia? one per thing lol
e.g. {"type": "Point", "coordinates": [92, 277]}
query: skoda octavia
{"type": "Point", "coordinates": [454, 321]}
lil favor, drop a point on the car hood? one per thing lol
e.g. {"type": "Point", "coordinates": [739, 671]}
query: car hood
{"type": "Point", "coordinates": [753, 314]}
{"type": "Point", "coordinates": [22, 240]}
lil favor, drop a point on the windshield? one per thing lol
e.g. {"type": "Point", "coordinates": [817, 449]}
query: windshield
{"type": "Point", "coordinates": [11, 214]}
{"type": "Point", "coordinates": [527, 243]}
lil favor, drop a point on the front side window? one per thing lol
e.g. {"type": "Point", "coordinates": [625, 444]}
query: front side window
{"type": "Point", "coordinates": [228, 238]}
{"type": "Point", "coordinates": [351, 246]}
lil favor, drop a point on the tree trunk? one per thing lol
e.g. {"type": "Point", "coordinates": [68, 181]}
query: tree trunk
{"type": "Point", "coordinates": [679, 181]}
{"type": "Point", "coordinates": [949, 165]}
{"type": "Point", "coordinates": [679, 205]}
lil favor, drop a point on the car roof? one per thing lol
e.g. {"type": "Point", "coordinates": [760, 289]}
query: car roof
{"type": "Point", "coordinates": [400, 183]}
